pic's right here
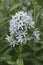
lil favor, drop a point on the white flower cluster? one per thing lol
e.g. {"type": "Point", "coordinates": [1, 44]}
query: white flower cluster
{"type": "Point", "coordinates": [36, 35]}
{"type": "Point", "coordinates": [19, 24]}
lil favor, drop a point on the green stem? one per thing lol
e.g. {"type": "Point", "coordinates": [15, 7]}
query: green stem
{"type": "Point", "coordinates": [34, 5]}
{"type": "Point", "coordinates": [20, 50]}
{"type": "Point", "coordinates": [35, 21]}
{"type": "Point", "coordinates": [34, 10]}
{"type": "Point", "coordinates": [19, 60]}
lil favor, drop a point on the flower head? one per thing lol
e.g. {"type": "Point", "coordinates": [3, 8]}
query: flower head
{"type": "Point", "coordinates": [19, 24]}
{"type": "Point", "coordinates": [36, 35]}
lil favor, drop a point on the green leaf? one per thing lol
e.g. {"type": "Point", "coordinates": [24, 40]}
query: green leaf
{"type": "Point", "coordinates": [38, 48]}
{"type": "Point", "coordinates": [14, 6]}
{"type": "Point", "coordinates": [19, 61]}
{"type": "Point", "coordinates": [40, 58]}
{"type": "Point", "coordinates": [39, 12]}
{"type": "Point", "coordinates": [37, 63]}
{"type": "Point", "coordinates": [7, 59]}
{"type": "Point", "coordinates": [26, 54]}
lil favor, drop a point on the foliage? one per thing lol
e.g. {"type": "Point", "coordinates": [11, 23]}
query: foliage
{"type": "Point", "coordinates": [31, 53]}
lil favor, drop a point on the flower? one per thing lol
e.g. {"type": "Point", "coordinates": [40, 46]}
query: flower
{"type": "Point", "coordinates": [20, 20]}
{"type": "Point", "coordinates": [11, 40]}
{"type": "Point", "coordinates": [36, 35]}
{"type": "Point", "coordinates": [19, 24]}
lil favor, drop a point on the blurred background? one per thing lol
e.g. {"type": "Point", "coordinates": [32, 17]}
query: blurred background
{"type": "Point", "coordinates": [8, 55]}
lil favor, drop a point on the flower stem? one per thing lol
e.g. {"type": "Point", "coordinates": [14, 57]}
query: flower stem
{"type": "Point", "coordinates": [20, 60]}
{"type": "Point", "coordinates": [34, 5]}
